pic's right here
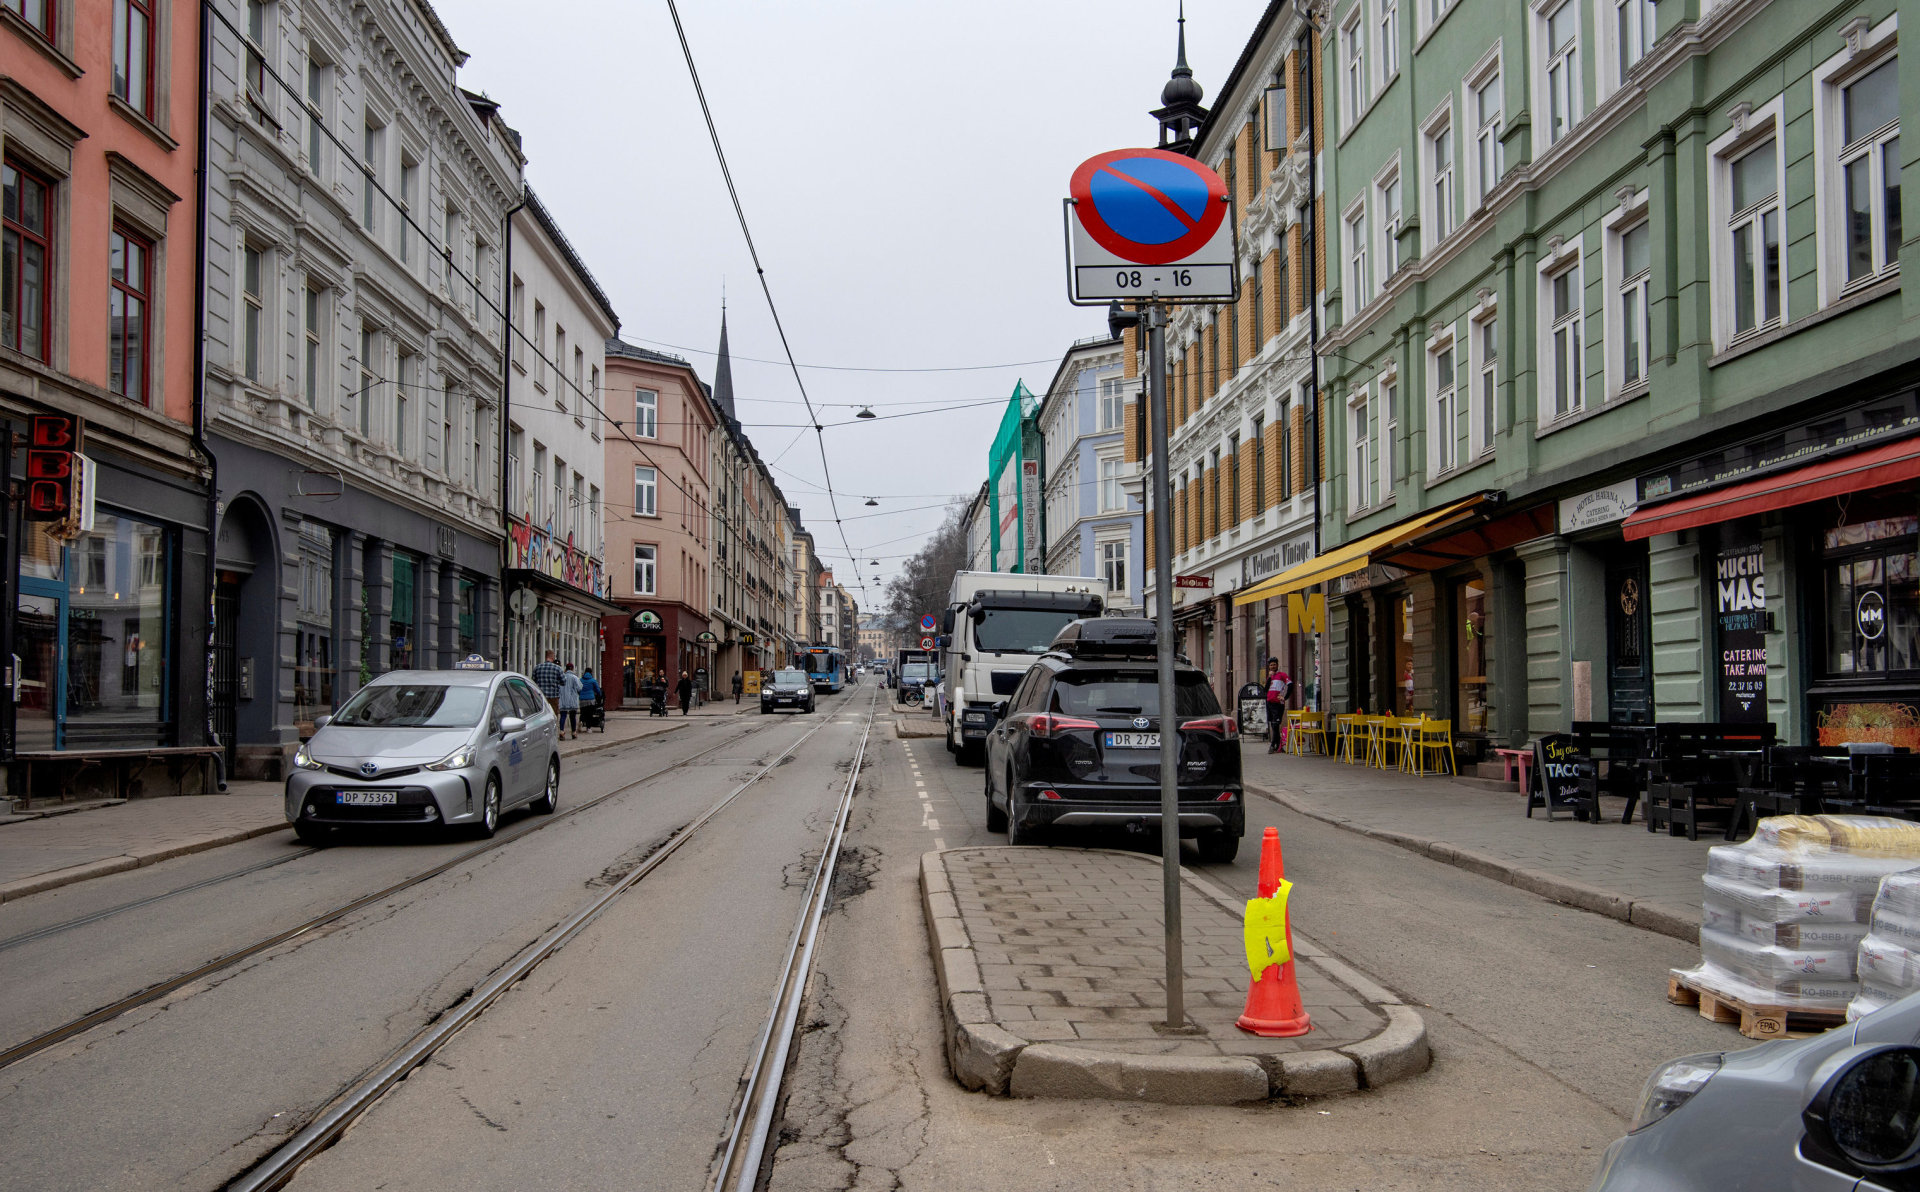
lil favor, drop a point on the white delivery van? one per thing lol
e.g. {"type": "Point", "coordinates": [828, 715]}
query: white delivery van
{"type": "Point", "coordinates": [995, 625]}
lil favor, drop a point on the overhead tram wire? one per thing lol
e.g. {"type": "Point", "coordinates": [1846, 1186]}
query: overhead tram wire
{"type": "Point", "coordinates": [473, 283]}
{"type": "Point", "coordinates": [760, 272]}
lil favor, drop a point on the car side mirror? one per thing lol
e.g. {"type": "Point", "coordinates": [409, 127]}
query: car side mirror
{"type": "Point", "coordinates": [1866, 1108]}
{"type": "Point", "coordinates": [1000, 709]}
{"type": "Point", "coordinates": [946, 621]}
{"type": "Point", "coordinates": [320, 722]}
{"type": "Point", "coordinates": [510, 725]}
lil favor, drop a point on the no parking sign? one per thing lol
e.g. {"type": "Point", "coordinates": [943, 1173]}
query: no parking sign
{"type": "Point", "coordinates": [1146, 223]}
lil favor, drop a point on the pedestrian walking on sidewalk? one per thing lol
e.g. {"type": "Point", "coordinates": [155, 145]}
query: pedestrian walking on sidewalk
{"type": "Point", "coordinates": [685, 690]}
{"type": "Point", "coordinates": [546, 676]}
{"type": "Point", "coordinates": [570, 702]}
{"type": "Point", "coordinates": [1278, 683]}
{"type": "Point", "coordinates": [738, 686]}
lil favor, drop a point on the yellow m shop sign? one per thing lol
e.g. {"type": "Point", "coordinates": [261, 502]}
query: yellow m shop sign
{"type": "Point", "coordinates": [1306, 612]}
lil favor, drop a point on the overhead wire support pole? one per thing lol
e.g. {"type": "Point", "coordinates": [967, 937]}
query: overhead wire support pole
{"type": "Point", "coordinates": [1156, 324]}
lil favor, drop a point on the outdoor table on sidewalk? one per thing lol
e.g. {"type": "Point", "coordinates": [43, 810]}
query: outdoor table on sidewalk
{"type": "Point", "coordinates": [1746, 765]}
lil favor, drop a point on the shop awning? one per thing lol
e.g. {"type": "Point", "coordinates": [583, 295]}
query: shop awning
{"type": "Point", "coordinates": [1356, 555]}
{"type": "Point", "coordinates": [1444, 546]}
{"type": "Point", "coordinates": [1889, 463]}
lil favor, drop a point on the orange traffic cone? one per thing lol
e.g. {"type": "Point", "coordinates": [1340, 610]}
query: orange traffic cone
{"type": "Point", "coordinates": [1273, 1003]}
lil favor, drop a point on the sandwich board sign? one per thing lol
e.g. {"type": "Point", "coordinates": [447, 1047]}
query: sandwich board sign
{"type": "Point", "coordinates": [1149, 224]}
{"type": "Point", "coordinates": [1558, 766]}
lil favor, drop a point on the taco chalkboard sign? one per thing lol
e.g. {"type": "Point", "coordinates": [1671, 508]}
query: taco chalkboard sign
{"type": "Point", "coordinates": [1558, 766]}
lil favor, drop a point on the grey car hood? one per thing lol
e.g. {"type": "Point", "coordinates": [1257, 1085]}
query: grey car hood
{"type": "Point", "coordinates": [342, 746]}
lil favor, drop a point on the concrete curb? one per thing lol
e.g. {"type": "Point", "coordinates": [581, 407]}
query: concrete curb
{"type": "Point", "coordinates": [85, 871]}
{"type": "Point", "coordinates": [986, 1057]}
{"type": "Point", "coordinates": [905, 729]}
{"type": "Point", "coordinates": [1649, 915]}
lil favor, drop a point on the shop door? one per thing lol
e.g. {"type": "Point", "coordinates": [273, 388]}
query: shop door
{"type": "Point", "coordinates": [226, 663]}
{"type": "Point", "coordinates": [1629, 651]}
{"type": "Point", "coordinates": [43, 689]}
{"type": "Point", "coordinates": [1360, 665]}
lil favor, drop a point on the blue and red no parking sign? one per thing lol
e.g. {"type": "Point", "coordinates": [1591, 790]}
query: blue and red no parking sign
{"type": "Point", "coordinates": [1149, 223]}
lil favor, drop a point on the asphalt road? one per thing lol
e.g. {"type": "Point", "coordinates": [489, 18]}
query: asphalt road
{"type": "Point", "coordinates": [194, 1089]}
{"type": "Point", "coordinates": [1544, 1022]}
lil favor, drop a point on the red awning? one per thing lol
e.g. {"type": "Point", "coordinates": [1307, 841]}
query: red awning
{"type": "Point", "coordinates": [1889, 463]}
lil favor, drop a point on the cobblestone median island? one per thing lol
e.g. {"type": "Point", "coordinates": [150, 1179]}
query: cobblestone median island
{"type": "Point", "coordinates": [1052, 985]}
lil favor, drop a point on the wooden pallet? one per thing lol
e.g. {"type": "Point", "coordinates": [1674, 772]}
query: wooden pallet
{"type": "Point", "coordinates": [1755, 1021]}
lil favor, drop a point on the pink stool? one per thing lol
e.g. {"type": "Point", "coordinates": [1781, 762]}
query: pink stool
{"type": "Point", "coordinates": [1516, 758]}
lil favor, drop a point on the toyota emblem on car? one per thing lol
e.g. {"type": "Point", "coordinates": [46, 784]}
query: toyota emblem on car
{"type": "Point", "coordinates": [1141, 722]}
{"type": "Point", "coordinates": [369, 769]}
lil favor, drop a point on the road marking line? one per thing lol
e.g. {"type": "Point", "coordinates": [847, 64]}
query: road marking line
{"type": "Point", "coordinates": [938, 842]}
{"type": "Point", "coordinates": [934, 824]}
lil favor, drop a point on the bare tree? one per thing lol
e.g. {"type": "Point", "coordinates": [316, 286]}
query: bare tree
{"type": "Point", "coordinates": [927, 578]}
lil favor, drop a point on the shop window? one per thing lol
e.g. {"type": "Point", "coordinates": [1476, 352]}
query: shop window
{"type": "Point", "coordinates": [401, 617]}
{"type": "Point", "coordinates": [313, 631]}
{"type": "Point", "coordinates": [1402, 696]}
{"type": "Point", "coordinates": [1872, 598]}
{"type": "Point", "coordinates": [1470, 654]}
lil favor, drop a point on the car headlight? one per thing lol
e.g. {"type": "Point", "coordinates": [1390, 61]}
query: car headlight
{"type": "Point", "coordinates": [303, 759]}
{"type": "Point", "coordinates": [459, 759]}
{"type": "Point", "coordinates": [1673, 1085]}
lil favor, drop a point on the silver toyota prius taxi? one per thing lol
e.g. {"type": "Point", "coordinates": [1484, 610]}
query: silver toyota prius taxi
{"type": "Point", "coordinates": [427, 748]}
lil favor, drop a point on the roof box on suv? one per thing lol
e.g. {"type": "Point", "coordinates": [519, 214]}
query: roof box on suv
{"type": "Point", "coordinates": [1107, 637]}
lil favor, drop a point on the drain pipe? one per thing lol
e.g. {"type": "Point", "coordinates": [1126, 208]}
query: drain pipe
{"type": "Point", "coordinates": [200, 381]}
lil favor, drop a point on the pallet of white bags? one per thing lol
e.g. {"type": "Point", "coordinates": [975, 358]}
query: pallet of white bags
{"type": "Point", "coordinates": [1756, 1020]}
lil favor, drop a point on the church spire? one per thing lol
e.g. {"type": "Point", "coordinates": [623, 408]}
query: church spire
{"type": "Point", "coordinates": [1180, 113]}
{"type": "Point", "coordinates": [723, 370]}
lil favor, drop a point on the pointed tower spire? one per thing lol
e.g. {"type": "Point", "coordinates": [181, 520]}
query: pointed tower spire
{"type": "Point", "coordinates": [723, 370]}
{"type": "Point", "coordinates": [1180, 113]}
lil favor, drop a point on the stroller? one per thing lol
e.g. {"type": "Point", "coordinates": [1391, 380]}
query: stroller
{"type": "Point", "coordinates": [593, 714]}
{"type": "Point", "coordinates": [657, 700]}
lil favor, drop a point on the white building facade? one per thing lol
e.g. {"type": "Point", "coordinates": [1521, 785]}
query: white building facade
{"type": "Point", "coordinates": [556, 455]}
{"type": "Point", "coordinates": [1093, 524]}
{"type": "Point", "coordinates": [355, 210]}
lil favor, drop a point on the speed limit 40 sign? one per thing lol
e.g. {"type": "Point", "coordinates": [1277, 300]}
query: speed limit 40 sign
{"type": "Point", "coordinates": [1149, 224]}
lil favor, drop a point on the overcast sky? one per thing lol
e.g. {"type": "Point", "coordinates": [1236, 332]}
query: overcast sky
{"type": "Point", "coordinates": [901, 163]}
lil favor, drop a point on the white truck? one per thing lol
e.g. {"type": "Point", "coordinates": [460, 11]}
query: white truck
{"type": "Point", "coordinates": [996, 623]}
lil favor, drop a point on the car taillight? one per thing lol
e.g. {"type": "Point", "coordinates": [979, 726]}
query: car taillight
{"type": "Point", "coordinates": [1049, 724]}
{"type": "Point", "coordinates": [1225, 726]}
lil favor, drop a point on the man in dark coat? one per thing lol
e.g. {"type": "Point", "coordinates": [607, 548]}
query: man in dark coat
{"type": "Point", "coordinates": [685, 690]}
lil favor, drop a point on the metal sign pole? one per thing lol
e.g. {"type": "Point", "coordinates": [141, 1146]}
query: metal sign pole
{"type": "Point", "coordinates": [1156, 323]}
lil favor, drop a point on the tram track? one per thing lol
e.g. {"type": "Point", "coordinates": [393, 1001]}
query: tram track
{"type": "Point", "coordinates": [160, 989]}
{"type": "Point", "coordinates": [750, 1127]}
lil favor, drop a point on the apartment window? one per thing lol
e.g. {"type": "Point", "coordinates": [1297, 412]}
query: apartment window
{"type": "Point", "coordinates": [1113, 402]}
{"type": "Point", "coordinates": [579, 382]}
{"type": "Point", "coordinates": [370, 143]}
{"type": "Point", "coordinates": [1361, 487]}
{"type": "Point", "coordinates": [1486, 381]}
{"type": "Point", "coordinates": [1230, 480]}
{"type": "Point", "coordinates": [449, 454]}
{"type": "Point", "coordinates": [1258, 311]}
{"type": "Point", "coordinates": [1634, 324]}
{"type": "Point", "coordinates": [1286, 453]}
{"type": "Point", "coordinates": [313, 320]}
{"type": "Point", "coordinates": [1870, 170]}
{"type": "Point", "coordinates": [1259, 464]}
{"type": "Point", "coordinates": [27, 288]}
{"type": "Point", "coordinates": [1389, 199]}
{"type": "Point", "coordinates": [1433, 10]}
{"type": "Point", "coordinates": [516, 449]}
{"type": "Point", "coordinates": [1353, 56]}
{"type": "Point", "coordinates": [253, 308]}
{"type": "Point", "coordinates": [1632, 32]}
{"type": "Point", "coordinates": [644, 558]}
{"type": "Point", "coordinates": [1753, 238]}
{"type": "Point", "coordinates": [560, 511]}
{"type": "Point", "coordinates": [409, 192]}
{"type": "Point", "coordinates": [536, 494]}
{"type": "Point", "coordinates": [1560, 72]}
{"type": "Point", "coordinates": [130, 274]}
{"type": "Point", "coordinates": [1440, 176]}
{"type": "Point", "coordinates": [1386, 455]}
{"type": "Point", "coordinates": [646, 414]}
{"type": "Point", "coordinates": [133, 53]}
{"type": "Point", "coordinates": [257, 30]}
{"type": "Point", "coordinates": [1389, 39]}
{"type": "Point", "coordinates": [408, 376]}
{"type": "Point", "coordinates": [593, 519]}
{"type": "Point", "coordinates": [1214, 525]}
{"type": "Point", "coordinates": [1233, 341]}
{"type": "Point", "coordinates": [1485, 108]}
{"type": "Point", "coordinates": [1445, 426]}
{"type": "Point", "coordinates": [646, 483]}
{"type": "Point", "coordinates": [478, 427]}
{"type": "Point", "coordinates": [38, 13]}
{"type": "Point", "coordinates": [540, 345]}
{"type": "Point", "coordinates": [1283, 293]}
{"type": "Point", "coordinates": [1564, 341]}
{"type": "Point", "coordinates": [1357, 278]}
{"type": "Point", "coordinates": [1113, 566]}
{"type": "Point", "coordinates": [367, 379]}
{"type": "Point", "coordinates": [577, 510]}
{"type": "Point", "coordinates": [517, 314]}
{"type": "Point", "coordinates": [319, 86]}
{"type": "Point", "coordinates": [559, 366]}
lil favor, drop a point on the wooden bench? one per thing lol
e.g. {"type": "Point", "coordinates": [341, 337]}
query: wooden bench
{"type": "Point", "coordinates": [1687, 786]}
{"type": "Point", "coordinates": [127, 765]}
{"type": "Point", "coordinates": [1620, 754]}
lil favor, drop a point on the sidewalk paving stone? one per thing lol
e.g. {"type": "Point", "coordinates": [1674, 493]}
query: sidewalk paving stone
{"type": "Point", "coordinates": [1619, 870]}
{"type": "Point", "coordinates": [1080, 1011]}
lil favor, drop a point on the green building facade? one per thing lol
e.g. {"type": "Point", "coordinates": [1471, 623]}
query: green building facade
{"type": "Point", "coordinates": [1619, 375]}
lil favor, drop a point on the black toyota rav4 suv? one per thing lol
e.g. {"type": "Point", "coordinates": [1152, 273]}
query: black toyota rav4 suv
{"type": "Point", "coordinates": [1078, 743]}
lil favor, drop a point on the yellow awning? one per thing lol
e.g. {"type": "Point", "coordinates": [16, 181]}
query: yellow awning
{"type": "Point", "coordinates": [1351, 557]}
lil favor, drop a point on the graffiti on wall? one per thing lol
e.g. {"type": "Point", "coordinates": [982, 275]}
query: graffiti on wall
{"type": "Point", "coordinates": [534, 548]}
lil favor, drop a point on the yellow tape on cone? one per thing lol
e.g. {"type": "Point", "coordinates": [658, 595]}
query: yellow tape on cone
{"type": "Point", "coordinates": [1265, 930]}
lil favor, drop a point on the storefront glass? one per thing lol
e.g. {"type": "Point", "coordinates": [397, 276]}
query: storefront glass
{"type": "Point", "coordinates": [1470, 655]}
{"type": "Point", "coordinates": [313, 631]}
{"type": "Point", "coordinates": [405, 601]}
{"type": "Point", "coordinates": [1402, 697]}
{"type": "Point", "coordinates": [642, 663]}
{"type": "Point", "coordinates": [466, 637]}
{"type": "Point", "coordinates": [1869, 690]}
